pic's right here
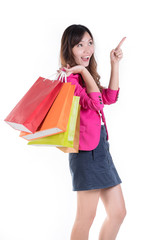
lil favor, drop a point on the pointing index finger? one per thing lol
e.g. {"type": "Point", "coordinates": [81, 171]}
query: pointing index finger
{"type": "Point", "coordinates": [120, 44]}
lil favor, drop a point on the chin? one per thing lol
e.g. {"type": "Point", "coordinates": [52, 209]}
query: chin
{"type": "Point", "coordinates": [85, 65]}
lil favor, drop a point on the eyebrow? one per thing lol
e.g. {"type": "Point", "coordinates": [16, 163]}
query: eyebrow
{"type": "Point", "coordinates": [88, 40]}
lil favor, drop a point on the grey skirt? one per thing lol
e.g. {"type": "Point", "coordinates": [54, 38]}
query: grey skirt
{"type": "Point", "coordinates": [93, 169]}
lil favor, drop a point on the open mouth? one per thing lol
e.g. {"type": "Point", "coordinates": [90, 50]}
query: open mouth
{"type": "Point", "coordinates": [85, 58]}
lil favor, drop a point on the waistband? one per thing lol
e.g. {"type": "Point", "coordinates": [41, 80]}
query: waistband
{"type": "Point", "coordinates": [103, 129]}
{"type": "Point", "coordinates": [103, 126]}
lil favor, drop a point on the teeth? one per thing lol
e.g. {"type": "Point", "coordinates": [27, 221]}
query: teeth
{"type": "Point", "coordinates": [86, 57]}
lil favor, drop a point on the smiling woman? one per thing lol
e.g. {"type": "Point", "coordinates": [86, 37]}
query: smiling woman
{"type": "Point", "coordinates": [84, 50]}
{"type": "Point", "coordinates": [76, 44]}
{"type": "Point", "coordinates": [92, 169]}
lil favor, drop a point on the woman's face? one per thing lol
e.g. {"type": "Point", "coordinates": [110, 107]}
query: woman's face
{"type": "Point", "coordinates": [83, 51]}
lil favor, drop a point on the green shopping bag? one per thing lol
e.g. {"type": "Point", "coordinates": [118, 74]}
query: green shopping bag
{"type": "Point", "coordinates": [64, 139]}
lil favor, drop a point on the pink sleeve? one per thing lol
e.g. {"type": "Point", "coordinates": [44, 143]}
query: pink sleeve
{"type": "Point", "coordinates": [109, 95]}
{"type": "Point", "coordinates": [91, 100]}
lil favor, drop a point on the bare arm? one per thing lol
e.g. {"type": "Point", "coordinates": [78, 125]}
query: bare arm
{"type": "Point", "coordinates": [114, 78]}
{"type": "Point", "coordinates": [87, 77]}
{"type": "Point", "coordinates": [115, 56]}
{"type": "Point", "coordinates": [90, 83]}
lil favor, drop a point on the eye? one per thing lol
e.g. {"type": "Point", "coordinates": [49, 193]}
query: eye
{"type": "Point", "coordinates": [79, 45]}
{"type": "Point", "coordinates": [90, 43]}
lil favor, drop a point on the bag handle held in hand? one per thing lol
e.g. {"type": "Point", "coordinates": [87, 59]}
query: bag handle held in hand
{"type": "Point", "coordinates": [59, 76]}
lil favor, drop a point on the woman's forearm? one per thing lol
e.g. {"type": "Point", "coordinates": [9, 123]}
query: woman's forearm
{"type": "Point", "coordinates": [89, 81]}
{"type": "Point", "coordinates": [114, 78]}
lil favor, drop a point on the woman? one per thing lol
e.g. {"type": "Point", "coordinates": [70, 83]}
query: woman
{"type": "Point", "coordinates": [93, 172]}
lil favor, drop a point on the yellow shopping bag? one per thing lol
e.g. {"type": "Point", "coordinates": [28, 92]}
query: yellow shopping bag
{"type": "Point", "coordinates": [64, 139]}
{"type": "Point", "coordinates": [75, 148]}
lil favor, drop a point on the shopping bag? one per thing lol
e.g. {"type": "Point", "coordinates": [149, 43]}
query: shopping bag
{"type": "Point", "coordinates": [32, 108]}
{"type": "Point", "coordinates": [57, 117]}
{"type": "Point", "coordinates": [65, 139]}
{"type": "Point", "coordinates": [75, 148]}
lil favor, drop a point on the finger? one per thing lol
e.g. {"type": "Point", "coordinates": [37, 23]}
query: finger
{"type": "Point", "coordinates": [61, 69]}
{"type": "Point", "coordinates": [118, 51]}
{"type": "Point", "coordinates": [117, 54]}
{"type": "Point", "coordinates": [68, 71]}
{"type": "Point", "coordinates": [64, 69]}
{"type": "Point", "coordinates": [120, 56]}
{"type": "Point", "coordinates": [120, 44]}
{"type": "Point", "coordinates": [112, 52]}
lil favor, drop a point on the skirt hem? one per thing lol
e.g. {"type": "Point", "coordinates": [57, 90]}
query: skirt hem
{"type": "Point", "coordinates": [91, 188]}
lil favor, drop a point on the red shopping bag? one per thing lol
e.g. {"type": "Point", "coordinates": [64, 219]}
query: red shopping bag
{"type": "Point", "coordinates": [30, 111]}
{"type": "Point", "coordinates": [56, 120]}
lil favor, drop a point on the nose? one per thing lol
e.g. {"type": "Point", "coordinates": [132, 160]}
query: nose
{"type": "Point", "coordinates": [87, 49]}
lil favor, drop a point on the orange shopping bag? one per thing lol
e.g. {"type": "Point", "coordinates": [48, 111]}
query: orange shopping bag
{"type": "Point", "coordinates": [57, 118]}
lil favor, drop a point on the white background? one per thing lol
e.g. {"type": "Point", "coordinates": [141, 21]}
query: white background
{"type": "Point", "coordinates": [36, 197]}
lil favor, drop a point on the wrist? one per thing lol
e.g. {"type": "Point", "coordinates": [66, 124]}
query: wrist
{"type": "Point", "coordinates": [114, 64]}
{"type": "Point", "coordinates": [82, 70]}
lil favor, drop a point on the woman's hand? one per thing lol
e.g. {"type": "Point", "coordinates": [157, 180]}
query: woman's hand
{"type": "Point", "coordinates": [117, 54]}
{"type": "Point", "coordinates": [76, 69]}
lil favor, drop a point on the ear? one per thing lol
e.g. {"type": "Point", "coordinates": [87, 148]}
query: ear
{"type": "Point", "coordinates": [68, 66]}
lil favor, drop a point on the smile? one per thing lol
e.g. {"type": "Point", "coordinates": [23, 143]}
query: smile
{"type": "Point", "coordinates": [85, 58]}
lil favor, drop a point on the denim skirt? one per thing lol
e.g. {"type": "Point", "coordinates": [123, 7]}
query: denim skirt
{"type": "Point", "coordinates": [93, 169]}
